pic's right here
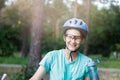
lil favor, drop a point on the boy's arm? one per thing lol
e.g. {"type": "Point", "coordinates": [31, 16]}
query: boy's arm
{"type": "Point", "coordinates": [39, 73]}
{"type": "Point", "coordinates": [87, 78]}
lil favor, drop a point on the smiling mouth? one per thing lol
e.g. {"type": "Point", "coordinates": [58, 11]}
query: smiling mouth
{"type": "Point", "coordinates": [72, 45]}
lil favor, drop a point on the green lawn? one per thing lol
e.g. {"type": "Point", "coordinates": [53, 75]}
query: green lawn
{"type": "Point", "coordinates": [13, 60]}
{"type": "Point", "coordinates": [111, 62]}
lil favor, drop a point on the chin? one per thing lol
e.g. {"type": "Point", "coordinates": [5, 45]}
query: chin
{"type": "Point", "coordinates": [72, 49]}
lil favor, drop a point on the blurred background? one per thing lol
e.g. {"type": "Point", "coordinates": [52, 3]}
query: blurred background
{"type": "Point", "coordinates": [31, 28]}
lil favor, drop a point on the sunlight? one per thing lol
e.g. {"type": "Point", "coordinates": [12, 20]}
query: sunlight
{"type": "Point", "coordinates": [106, 3]}
{"type": "Point", "coordinates": [9, 2]}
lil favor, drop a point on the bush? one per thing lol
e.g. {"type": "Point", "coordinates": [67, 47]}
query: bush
{"type": "Point", "coordinates": [9, 40]}
{"type": "Point", "coordinates": [25, 73]}
{"type": "Point", "coordinates": [49, 42]}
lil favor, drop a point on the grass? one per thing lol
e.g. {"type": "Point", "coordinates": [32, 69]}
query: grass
{"type": "Point", "coordinates": [13, 60]}
{"type": "Point", "coordinates": [111, 62]}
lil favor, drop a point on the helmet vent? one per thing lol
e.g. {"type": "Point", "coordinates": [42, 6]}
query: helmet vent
{"type": "Point", "coordinates": [81, 23]}
{"type": "Point", "coordinates": [76, 21]}
{"type": "Point", "coordinates": [70, 21]}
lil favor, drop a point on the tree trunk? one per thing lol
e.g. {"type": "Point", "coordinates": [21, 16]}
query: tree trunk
{"type": "Point", "coordinates": [75, 9]}
{"type": "Point", "coordinates": [36, 32]}
{"type": "Point", "coordinates": [88, 6]}
{"type": "Point", "coordinates": [2, 4]}
{"type": "Point", "coordinates": [25, 48]}
{"type": "Point", "coordinates": [57, 31]}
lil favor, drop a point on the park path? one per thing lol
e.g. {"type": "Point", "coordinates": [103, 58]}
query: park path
{"type": "Point", "coordinates": [104, 73]}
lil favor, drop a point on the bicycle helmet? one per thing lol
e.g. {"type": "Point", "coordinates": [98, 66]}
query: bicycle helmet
{"type": "Point", "coordinates": [76, 23]}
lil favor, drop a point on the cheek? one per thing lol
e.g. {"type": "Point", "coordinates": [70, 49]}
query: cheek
{"type": "Point", "coordinates": [81, 42]}
{"type": "Point", "coordinates": [64, 38]}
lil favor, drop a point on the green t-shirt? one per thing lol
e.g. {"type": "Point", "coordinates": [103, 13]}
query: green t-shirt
{"type": "Point", "coordinates": [60, 68]}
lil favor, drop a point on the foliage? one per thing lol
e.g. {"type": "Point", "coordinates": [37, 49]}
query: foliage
{"type": "Point", "coordinates": [49, 42]}
{"type": "Point", "coordinates": [2, 3]}
{"type": "Point", "coordinates": [9, 40]}
{"type": "Point", "coordinates": [117, 47]}
{"type": "Point", "coordinates": [105, 31]}
{"type": "Point", "coordinates": [26, 19]}
{"type": "Point", "coordinates": [9, 16]}
{"type": "Point", "coordinates": [55, 14]}
{"type": "Point", "coordinates": [10, 36]}
{"type": "Point", "coordinates": [24, 12]}
{"type": "Point", "coordinates": [25, 73]}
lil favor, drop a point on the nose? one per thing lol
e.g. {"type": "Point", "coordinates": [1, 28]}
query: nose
{"type": "Point", "coordinates": [73, 40]}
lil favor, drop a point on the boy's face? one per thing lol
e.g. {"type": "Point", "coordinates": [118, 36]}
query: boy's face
{"type": "Point", "coordinates": [73, 39]}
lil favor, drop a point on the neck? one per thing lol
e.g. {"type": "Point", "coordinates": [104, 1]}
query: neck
{"type": "Point", "coordinates": [71, 55]}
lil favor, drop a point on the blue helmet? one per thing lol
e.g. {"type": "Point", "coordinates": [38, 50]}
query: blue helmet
{"type": "Point", "coordinates": [76, 23]}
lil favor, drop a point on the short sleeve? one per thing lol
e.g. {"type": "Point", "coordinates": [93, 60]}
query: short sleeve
{"type": "Point", "coordinates": [86, 68]}
{"type": "Point", "coordinates": [46, 61]}
{"type": "Point", "coordinates": [86, 72]}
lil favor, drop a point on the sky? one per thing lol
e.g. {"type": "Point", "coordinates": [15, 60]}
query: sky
{"type": "Point", "coordinates": [99, 3]}
{"type": "Point", "coordinates": [8, 2]}
{"type": "Point", "coordinates": [102, 4]}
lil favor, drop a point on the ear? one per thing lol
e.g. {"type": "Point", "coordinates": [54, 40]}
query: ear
{"type": "Point", "coordinates": [83, 41]}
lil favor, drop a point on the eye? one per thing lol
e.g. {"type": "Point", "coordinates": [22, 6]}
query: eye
{"type": "Point", "coordinates": [70, 36]}
{"type": "Point", "coordinates": [73, 37]}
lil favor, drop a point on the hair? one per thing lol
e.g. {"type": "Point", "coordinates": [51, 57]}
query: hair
{"type": "Point", "coordinates": [83, 32]}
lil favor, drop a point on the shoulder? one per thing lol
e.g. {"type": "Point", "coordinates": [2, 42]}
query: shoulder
{"type": "Point", "coordinates": [54, 53]}
{"type": "Point", "coordinates": [84, 57]}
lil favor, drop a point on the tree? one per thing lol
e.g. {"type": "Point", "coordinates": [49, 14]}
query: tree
{"type": "Point", "coordinates": [105, 27]}
{"type": "Point", "coordinates": [25, 20]}
{"type": "Point", "coordinates": [9, 31]}
{"type": "Point", "coordinates": [2, 3]}
{"type": "Point", "coordinates": [88, 16]}
{"type": "Point", "coordinates": [55, 12]}
{"type": "Point", "coordinates": [36, 32]}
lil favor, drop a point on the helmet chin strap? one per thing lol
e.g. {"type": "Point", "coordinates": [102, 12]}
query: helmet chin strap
{"type": "Point", "coordinates": [70, 52]}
